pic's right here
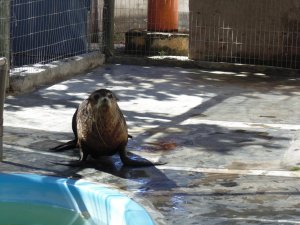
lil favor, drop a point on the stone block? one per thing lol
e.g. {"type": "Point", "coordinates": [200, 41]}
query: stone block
{"type": "Point", "coordinates": [142, 42]}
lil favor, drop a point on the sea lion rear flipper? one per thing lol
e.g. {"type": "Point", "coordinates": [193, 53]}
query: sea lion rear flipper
{"type": "Point", "coordinates": [65, 146]}
{"type": "Point", "coordinates": [80, 163]}
{"type": "Point", "coordinates": [70, 163]}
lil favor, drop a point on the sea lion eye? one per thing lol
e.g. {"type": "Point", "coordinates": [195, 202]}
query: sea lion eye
{"type": "Point", "coordinates": [96, 96]}
{"type": "Point", "coordinates": [109, 95]}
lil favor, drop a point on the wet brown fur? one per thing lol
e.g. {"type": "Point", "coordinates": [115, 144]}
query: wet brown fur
{"type": "Point", "coordinates": [100, 129]}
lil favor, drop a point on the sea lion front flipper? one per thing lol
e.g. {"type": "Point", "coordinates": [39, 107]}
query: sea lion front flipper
{"type": "Point", "coordinates": [138, 161]}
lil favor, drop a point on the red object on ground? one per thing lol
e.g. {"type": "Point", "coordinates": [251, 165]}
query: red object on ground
{"type": "Point", "coordinates": [163, 15]}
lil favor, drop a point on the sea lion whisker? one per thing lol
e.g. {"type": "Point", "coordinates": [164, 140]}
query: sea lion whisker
{"type": "Point", "coordinates": [100, 136]}
{"type": "Point", "coordinates": [96, 120]}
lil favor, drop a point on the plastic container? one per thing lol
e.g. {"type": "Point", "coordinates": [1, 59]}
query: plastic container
{"type": "Point", "coordinates": [100, 205]}
{"type": "Point", "coordinates": [163, 15]}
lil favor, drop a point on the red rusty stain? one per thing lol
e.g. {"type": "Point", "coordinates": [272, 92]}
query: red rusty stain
{"type": "Point", "coordinates": [160, 146]}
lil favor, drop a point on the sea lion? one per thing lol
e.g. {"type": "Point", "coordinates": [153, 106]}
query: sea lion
{"type": "Point", "coordinates": [100, 129]}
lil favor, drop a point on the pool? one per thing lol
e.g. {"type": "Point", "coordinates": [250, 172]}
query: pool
{"type": "Point", "coordinates": [28, 199]}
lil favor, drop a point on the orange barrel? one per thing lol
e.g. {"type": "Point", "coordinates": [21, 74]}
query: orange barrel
{"type": "Point", "coordinates": [163, 15]}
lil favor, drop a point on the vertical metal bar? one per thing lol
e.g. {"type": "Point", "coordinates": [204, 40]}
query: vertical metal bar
{"type": "Point", "coordinates": [88, 31]}
{"type": "Point", "coordinates": [100, 22]}
{"type": "Point", "coordinates": [109, 9]}
{"type": "Point", "coordinates": [296, 62]}
{"type": "Point", "coordinates": [3, 76]}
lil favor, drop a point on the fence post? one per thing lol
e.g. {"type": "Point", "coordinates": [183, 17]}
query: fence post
{"type": "Point", "coordinates": [4, 62]}
{"type": "Point", "coordinates": [108, 19]}
{"type": "Point", "coordinates": [5, 32]}
{"type": "Point", "coordinates": [3, 75]}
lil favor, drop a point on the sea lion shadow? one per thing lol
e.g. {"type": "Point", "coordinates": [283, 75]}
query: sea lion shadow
{"type": "Point", "coordinates": [150, 177]}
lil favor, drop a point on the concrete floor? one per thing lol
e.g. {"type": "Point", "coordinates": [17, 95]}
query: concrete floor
{"type": "Point", "coordinates": [231, 140]}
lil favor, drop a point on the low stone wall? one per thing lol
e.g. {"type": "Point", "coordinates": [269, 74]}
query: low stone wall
{"type": "Point", "coordinates": [27, 78]}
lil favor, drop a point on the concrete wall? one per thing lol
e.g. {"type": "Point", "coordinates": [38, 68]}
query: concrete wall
{"type": "Point", "coordinates": [252, 31]}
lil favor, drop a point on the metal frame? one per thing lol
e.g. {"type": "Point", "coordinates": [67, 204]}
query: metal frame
{"type": "Point", "coordinates": [3, 76]}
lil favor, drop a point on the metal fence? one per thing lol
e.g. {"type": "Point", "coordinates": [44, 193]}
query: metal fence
{"type": "Point", "coordinates": [263, 32]}
{"type": "Point", "coordinates": [259, 32]}
{"type": "Point", "coordinates": [45, 30]}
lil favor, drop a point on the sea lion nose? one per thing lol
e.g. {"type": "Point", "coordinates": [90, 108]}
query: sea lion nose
{"type": "Point", "coordinates": [105, 100]}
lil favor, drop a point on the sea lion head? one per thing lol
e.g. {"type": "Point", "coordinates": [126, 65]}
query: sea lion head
{"type": "Point", "coordinates": [103, 99]}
